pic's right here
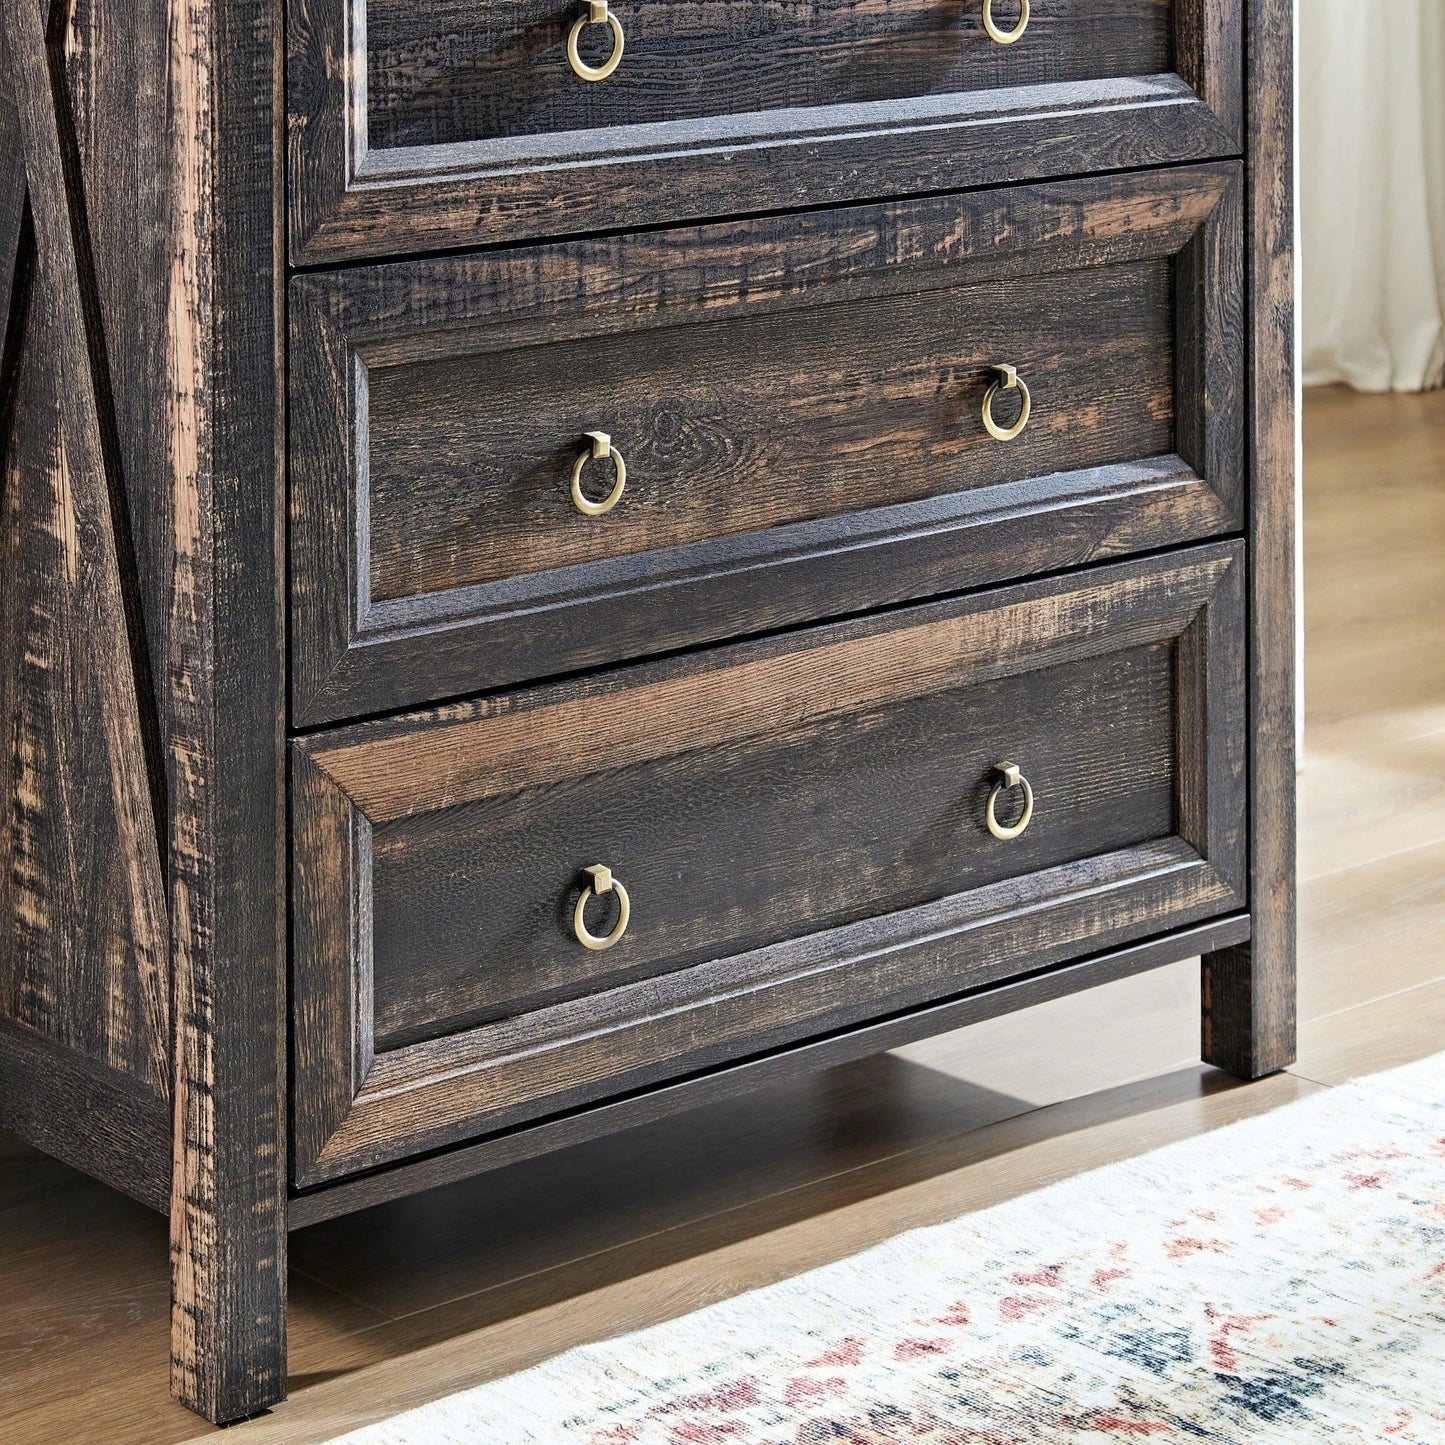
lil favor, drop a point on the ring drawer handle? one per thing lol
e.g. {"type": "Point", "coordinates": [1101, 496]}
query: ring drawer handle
{"type": "Point", "coordinates": [1007, 776]}
{"type": "Point", "coordinates": [599, 14]}
{"type": "Point", "coordinates": [1008, 380]}
{"type": "Point", "coordinates": [601, 450]}
{"type": "Point", "coordinates": [1005, 37]}
{"type": "Point", "coordinates": [602, 882]}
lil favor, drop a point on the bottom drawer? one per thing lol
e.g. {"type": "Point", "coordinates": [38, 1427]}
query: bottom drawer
{"type": "Point", "coordinates": [806, 832]}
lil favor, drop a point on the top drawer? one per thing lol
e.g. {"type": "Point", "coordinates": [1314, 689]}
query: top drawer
{"type": "Point", "coordinates": [427, 124]}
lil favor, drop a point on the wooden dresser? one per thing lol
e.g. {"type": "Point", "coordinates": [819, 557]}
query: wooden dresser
{"type": "Point", "coordinates": [564, 558]}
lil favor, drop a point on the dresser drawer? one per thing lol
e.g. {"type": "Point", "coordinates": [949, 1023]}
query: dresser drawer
{"type": "Point", "coordinates": [801, 828]}
{"type": "Point", "coordinates": [798, 404]}
{"type": "Point", "coordinates": [434, 124]}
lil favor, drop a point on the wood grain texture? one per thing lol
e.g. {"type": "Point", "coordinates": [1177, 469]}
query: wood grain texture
{"type": "Point", "coordinates": [111, 60]}
{"type": "Point", "coordinates": [531, 1141]}
{"type": "Point", "coordinates": [1250, 1004]}
{"type": "Point", "coordinates": [441, 72]}
{"type": "Point", "coordinates": [798, 400]}
{"type": "Point", "coordinates": [84, 966]}
{"type": "Point", "coordinates": [105, 1122]}
{"type": "Point", "coordinates": [796, 122]}
{"type": "Point", "coordinates": [228, 899]}
{"type": "Point", "coordinates": [12, 208]}
{"type": "Point", "coordinates": [883, 728]}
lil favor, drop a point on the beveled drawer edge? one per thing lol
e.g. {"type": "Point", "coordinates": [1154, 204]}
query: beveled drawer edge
{"type": "Point", "coordinates": [351, 655]}
{"type": "Point", "coordinates": [356, 1110]}
{"type": "Point", "coordinates": [647, 1106]}
{"type": "Point", "coordinates": [435, 198]}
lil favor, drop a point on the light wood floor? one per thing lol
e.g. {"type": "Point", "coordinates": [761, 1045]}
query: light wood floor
{"type": "Point", "coordinates": [417, 1299]}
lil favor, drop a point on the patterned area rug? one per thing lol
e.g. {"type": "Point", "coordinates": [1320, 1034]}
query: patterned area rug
{"type": "Point", "coordinates": [1279, 1280]}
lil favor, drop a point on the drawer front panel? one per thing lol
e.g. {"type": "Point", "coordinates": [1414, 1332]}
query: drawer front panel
{"type": "Point", "coordinates": [446, 72]}
{"type": "Point", "coordinates": [435, 124]}
{"type": "Point", "coordinates": [798, 405]}
{"type": "Point", "coordinates": [801, 829]}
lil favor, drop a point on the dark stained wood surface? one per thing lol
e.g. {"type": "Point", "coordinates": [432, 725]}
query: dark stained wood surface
{"type": "Point", "coordinates": [736, 846]}
{"type": "Point", "coordinates": [530, 1141]}
{"type": "Point", "coordinates": [741, 425]}
{"type": "Point", "coordinates": [443, 71]}
{"type": "Point", "coordinates": [1250, 1009]}
{"type": "Point", "coordinates": [84, 962]}
{"type": "Point", "coordinates": [101, 1120]}
{"type": "Point", "coordinates": [803, 837]}
{"type": "Point", "coordinates": [228, 896]}
{"type": "Point", "coordinates": [908, 118]}
{"type": "Point", "coordinates": [798, 400]}
{"type": "Point", "coordinates": [114, 69]}
{"type": "Point", "coordinates": [12, 208]}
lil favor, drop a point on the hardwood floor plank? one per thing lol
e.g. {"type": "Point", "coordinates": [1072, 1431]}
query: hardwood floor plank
{"type": "Point", "coordinates": [1360, 810]}
{"type": "Point", "coordinates": [1372, 931]}
{"type": "Point", "coordinates": [1386, 1034]}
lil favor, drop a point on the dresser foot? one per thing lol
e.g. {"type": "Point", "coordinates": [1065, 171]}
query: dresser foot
{"type": "Point", "coordinates": [1249, 1022]}
{"type": "Point", "coordinates": [228, 1326]}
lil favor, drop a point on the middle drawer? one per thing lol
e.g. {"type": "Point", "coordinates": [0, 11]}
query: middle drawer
{"type": "Point", "coordinates": [801, 407]}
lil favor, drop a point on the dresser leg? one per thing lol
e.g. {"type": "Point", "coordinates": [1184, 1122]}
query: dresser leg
{"type": "Point", "coordinates": [228, 1293]}
{"type": "Point", "coordinates": [1249, 1008]}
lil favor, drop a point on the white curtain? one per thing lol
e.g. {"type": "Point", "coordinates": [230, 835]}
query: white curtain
{"type": "Point", "coordinates": [1372, 192]}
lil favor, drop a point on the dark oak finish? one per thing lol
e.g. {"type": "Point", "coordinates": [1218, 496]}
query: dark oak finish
{"type": "Point", "coordinates": [799, 403]}
{"type": "Point", "coordinates": [478, 131]}
{"type": "Point", "coordinates": [436, 858]}
{"type": "Point", "coordinates": [1249, 990]}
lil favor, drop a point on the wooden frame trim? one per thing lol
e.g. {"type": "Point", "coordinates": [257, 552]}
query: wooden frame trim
{"type": "Point", "coordinates": [227, 844]}
{"type": "Point", "coordinates": [93, 1118]}
{"type": "Point", "coordinates": [355, 1109]}
{"type": "Point", "coordinates": [1250, 1012]}
{"type": "Point", "coordinates": [350, 202]}
{"type": "Point", "coordinates": [350, 654]}
{"type": "Point", "coordinates": [529, 1141]}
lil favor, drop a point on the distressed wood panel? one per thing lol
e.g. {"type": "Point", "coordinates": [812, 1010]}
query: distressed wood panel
{"type": "Point", "coordinates": [803, 839]}
{"type": "Point", "coordinates": [444, 125]}
{"type": "Point", "coordinates": [86, 966]}
{"type": "Point", "coordinates": [224, 368]}
{"type": "Point", "coordinates": [799, 404]}
{"type": "Point", "coordinates": [1250, 1010]}
{"type": "Point", "coordinates": [117, 113]}
{"type": "Point", "coordinates": [445, 71]}
{"type": "Point", "coordinates": [739, 426]}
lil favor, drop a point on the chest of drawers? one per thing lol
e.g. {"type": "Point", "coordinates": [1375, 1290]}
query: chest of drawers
{"type": "Point", "coordinates": [561, 563]}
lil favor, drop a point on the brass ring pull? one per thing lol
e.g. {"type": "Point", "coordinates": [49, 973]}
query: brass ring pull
{"type": "Point", "coordinates": [598, 14]}
{"type": "Point", "coordinates": [1007, 775]}
{"type": "Point", "coordinates": [602, 882]}
{"type": "Point", "coordinates": [1005, 37]}
{"type": "Point", "coordinates": [1008, 380]}
{"type": "Point", "coordinates": [601, 450]}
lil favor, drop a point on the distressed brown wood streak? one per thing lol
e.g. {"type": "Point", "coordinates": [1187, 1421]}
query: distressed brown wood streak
{"type": "Point", "coordinates": [114, 70]}
{"type": "Point", "coordinates": [85, 966]}
{"type": "Point", "coordinates": [12, 203]}
{"type": "Point", "coordinates": [228, 1222]}
{"type": "Point", "coordinates": [482, 134]}
{"type": "Point", "coordinates": [1249, 990]}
